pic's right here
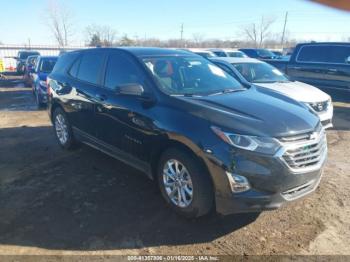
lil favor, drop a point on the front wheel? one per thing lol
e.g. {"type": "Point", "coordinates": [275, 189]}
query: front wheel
{"type": "Point", "coordinates": [63, 130]}
{"type": "Point", "coordinates": [185, 184]}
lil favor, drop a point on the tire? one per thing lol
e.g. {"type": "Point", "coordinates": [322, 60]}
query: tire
{"type": "Point", "coordinates": [39, 104]}
{"type": "Point", "coordinates": [60, 122]}
{"type": "Point", "coordinates": [201, 201]}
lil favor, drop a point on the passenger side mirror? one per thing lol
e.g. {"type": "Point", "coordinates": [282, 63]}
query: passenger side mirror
{"type": "Point", "coordinates": [347, 60]}
{"type": "Point", "coordinates": [132, 89]}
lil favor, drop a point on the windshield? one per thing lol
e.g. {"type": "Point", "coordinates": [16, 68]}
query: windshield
{"type": "Point", "coordinates": [24, 55]}
{"type": "Point", "coordinates": [265, 53]}
{"type": "Point", "coordinates": [47, 65]}
{"type": "Point", "coordinates": [260, 73]}
{"type": "Point", "coordinates": [205, 54]}
{"type": "Point", "coordinates": [189, 75]}
{"type": "Point", "coordinates": [236, 54]}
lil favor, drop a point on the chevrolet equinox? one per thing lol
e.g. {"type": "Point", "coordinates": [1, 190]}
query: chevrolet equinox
{"type": "Point", "coordinates": [208, 141]}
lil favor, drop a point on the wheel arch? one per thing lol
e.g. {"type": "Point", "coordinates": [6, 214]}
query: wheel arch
{"type": "Point", "coordinates": [181, 144]}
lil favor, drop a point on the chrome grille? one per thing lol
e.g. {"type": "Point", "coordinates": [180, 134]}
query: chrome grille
{"type": "Point", "coordinates": [305, 151]}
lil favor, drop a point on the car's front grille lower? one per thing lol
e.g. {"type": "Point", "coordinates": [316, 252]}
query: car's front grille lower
{"type": "Point", "coordinates": [305, 151]}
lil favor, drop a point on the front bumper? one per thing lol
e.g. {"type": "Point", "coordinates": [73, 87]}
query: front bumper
{"type": "Point", "coordinates": [273, 183]}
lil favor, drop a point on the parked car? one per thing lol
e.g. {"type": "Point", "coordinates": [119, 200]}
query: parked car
{"type": "Point", "coordinates": [263, 74]}
{"type": "Point", "coordinates": [278, 54]}
{"type": "Point", "coordinates": [29, 68]}
{"type": "Point", "coordinates": [199, 51]}
{"type": "Point", "coordinates": [203, 53]}
{"type": "Point", "coordinates": [43, 68]}
{"type": "Point", "coordinates": [258, 53]}
{"type": "Point", "coordinates": [21, 59]}
{"type": "Point", "coordinates": [207, 140]}
{"type": "Point", "coordinates": [325, 65]}
{"type": "Point", "coordinates": [227, 52]}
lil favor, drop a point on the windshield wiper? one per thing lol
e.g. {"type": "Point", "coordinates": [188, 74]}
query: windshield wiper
{"type": "Point", "coordinates": [227, 91]}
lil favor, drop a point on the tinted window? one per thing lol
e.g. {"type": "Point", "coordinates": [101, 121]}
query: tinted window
{"type": "Point", "coordinates": [47, 65]}
{"type": "Point", "coordinates": [339, 54]}
{"type": "Point", "coordinates": [65, 61]}
{"type": "Point", "coordinates": [90, 67]}
{"type": "Point", "coordinates": [121, 70]}
{"type": "Point", "coordinates": [324, 54]}
{"type": "Point", "coordinates": [24, 55]}
{"type": "Point", "coordinates": [313, 54]}
{"type": "Point", "coordinates": [74, 69]}
{"type": "Point", "coordinates": [250, 52]}
{"type": "Point", "coordinates": [220, 53]}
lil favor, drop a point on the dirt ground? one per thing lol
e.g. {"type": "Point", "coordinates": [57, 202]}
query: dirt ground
{"type": "Point", "coordinates": [84, 202]}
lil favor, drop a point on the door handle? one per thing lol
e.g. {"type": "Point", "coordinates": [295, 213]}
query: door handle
{"type": "Point", "coordinates": [332, 70]}
{"type": "Point", "coordinates": [101, 97]}
{"type": "Point", "coordinates": [296, 67]}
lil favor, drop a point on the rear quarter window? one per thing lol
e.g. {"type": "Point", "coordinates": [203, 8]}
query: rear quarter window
{"type": "Point", "coordinates": [64, 62]}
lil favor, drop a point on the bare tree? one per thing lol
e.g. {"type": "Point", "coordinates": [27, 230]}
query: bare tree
{"type": "Point", "coordinates": [258, 32]}
{"type": "Point", "coordinates": [198, 39]}
{"type": "Point", "coordinates": [104, 33]}
{"type": "Point", "coordinates": [60, 22]}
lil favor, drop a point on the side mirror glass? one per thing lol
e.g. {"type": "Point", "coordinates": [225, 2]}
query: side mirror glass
{"type": "Point", "coordinates": [132, 89]}
{"type": "Point", "coordinates": [347, 60]}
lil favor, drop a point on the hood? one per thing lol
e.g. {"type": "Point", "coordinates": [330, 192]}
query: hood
{"type": "Point", "coordinates": [43, 76]}
{"type": "Point", "coordinates": [298, 91]}
{"type": "Point", "coordinates": [256, 111]}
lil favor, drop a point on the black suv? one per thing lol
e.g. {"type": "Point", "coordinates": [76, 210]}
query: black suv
{"type": "Point", "coordinates": [205, 138]}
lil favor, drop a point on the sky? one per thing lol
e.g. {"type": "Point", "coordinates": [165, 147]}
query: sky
{"type": "Point", "coordinates": [25, 20]}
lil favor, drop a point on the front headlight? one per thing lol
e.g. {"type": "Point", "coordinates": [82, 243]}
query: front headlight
{"type": "Point", "coordinates": [265, 145]}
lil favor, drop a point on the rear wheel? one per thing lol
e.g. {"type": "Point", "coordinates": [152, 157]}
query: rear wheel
{"type": "Point", "coordinates": [185, 184]}
{"type": "Point", "coordinates": [63, 130]}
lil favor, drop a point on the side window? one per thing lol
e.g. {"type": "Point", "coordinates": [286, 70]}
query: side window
{"type": "Point", "coordinates": [339, 54]}
{"type": "Point", "coordinates": [90, 66]}
{"type": "Point", "coordinates": [121, 70]}
{"type": "Point", "coordinates": [314, 54]}
{"type": "Point", "coordinates": [74, 69]}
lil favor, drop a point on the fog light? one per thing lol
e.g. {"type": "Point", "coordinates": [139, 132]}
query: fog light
{"type": "Point", "coordinates": [238, 183]}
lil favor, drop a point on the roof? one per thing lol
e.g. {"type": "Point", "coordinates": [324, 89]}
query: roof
{"type": "Point", "coordinates": [142, 51]}
{"type": "Point", "coordinates": [325, 43]}
{"type": "Point", "coordinates": [223, 49]}
{"type": "Point", "coordinates": [236, 60]}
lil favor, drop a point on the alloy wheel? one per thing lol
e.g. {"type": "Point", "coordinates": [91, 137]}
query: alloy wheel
{"type": "Point", "coordinates": [61, 129]}
{"type": "Point", "coordinates": [178, 183]}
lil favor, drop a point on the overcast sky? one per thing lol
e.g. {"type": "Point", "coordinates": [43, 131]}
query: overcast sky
{"type": "Point", "coordinates": [25, 19]}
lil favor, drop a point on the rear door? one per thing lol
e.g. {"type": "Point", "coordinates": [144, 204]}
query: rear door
{"type": "Point", "coordinates": [338, 70]}
{"type": "Point", "coordinates": [85, 80]}
{"type": "Point", "coordinates": [309, 65]}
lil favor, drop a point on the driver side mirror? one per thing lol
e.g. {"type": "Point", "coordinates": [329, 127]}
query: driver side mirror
{"type": "Point", "coordinates": [131, 89]}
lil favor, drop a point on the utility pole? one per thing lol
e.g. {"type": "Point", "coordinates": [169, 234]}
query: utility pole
{"type": "Point", "coordinates": [284, 29]}
{"type": "Point", "coordinates": [181, 33]}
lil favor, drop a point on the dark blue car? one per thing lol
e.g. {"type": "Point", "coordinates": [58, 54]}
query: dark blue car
{"type": "Point", "coordinates": [43, 68]}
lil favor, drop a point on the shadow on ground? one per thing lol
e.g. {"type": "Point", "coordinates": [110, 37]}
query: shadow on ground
{"type": "Point", "coordinates": [84, 200]}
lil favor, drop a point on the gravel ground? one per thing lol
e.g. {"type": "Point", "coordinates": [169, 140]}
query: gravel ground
{"type": "Point", "coordinates": [83, 202]}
